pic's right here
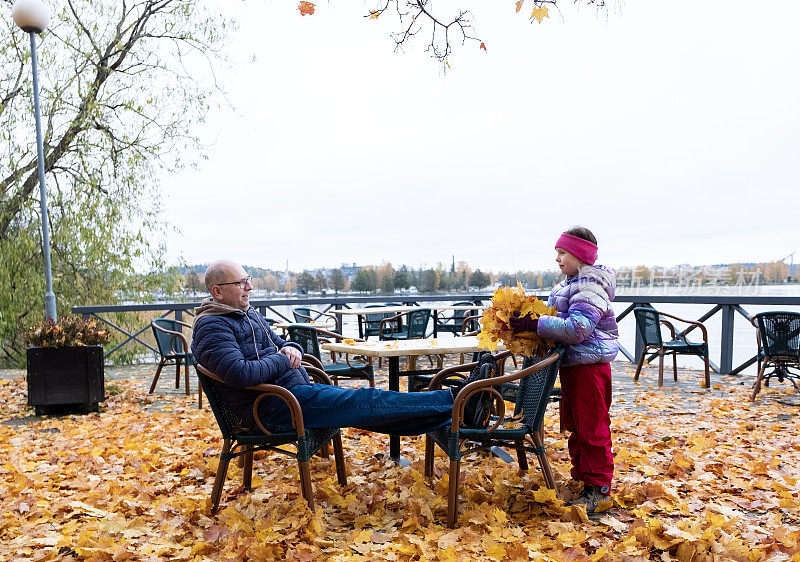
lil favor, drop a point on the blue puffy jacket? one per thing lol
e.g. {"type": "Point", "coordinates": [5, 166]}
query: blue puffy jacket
{"type": "Point", "coordinates": [241, 348]}
{"type": "Point", "coordinates": [585, 320]}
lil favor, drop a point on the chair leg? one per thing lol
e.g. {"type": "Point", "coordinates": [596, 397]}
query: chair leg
{"type": "Point", "coordinates": [187, 378]}
{"type": "Point", "coordinates": [338, 455]}
{"type": "Point", "coordinates": [639, 365]}
{"type": "Point", "coordinates": [219, 480]}
{"type": "Point", "coordinates": [199, 395]}
{"type": "Point", "coordinates": [177, 374]}
{"type": "Point", "coordinates": [675, 366]}
{"type": "Point", "coordinates": [544, 463]}
{"type": "Point", "coordinates": [247, 470]}
{"type": "Point", "coordinates": [660, 368]}
{"type": "Point", "coordinates": [324, 452]}
{"type": "Point", "coordinates": [305, 483]}
{"type": "Point", "coordinates": [155, 378]}
{"type": "Point", "coordinates": [522, 459]}
{"type": "Point", "coordinates": [707, 370]}
{"type": "Point", "coordinates": [759, 378]}
{"type": "Point", "coordinates": [428, 456]}
{"type": "Point", "coordinates": [452, 494]}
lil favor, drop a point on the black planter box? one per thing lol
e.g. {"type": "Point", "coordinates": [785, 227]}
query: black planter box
{"type": "Point", "coordinates": [65, 376]}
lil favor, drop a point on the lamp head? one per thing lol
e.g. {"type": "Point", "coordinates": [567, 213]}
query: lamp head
{"type": "Point", "coordinates": [30, 15]}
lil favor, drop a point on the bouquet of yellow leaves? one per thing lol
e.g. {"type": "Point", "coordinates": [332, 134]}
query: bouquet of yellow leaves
{"type": "Point", "coordinates": [495, 326]}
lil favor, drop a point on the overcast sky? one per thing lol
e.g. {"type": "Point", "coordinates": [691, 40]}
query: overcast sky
{"type": "Point", "coordinates": [670, 129]}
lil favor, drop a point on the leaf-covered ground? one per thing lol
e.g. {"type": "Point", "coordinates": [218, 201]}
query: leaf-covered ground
{"type": "Point", "coordinates": [699, 475]}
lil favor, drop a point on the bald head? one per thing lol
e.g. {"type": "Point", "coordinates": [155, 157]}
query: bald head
{"type": "Point", "coordinates": [228, 283]}
{"type": "Point", "coordinates": [222, 271]}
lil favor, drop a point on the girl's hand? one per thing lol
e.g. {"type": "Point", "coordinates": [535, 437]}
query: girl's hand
{"type": "Point", "coordinates": [522, 324]}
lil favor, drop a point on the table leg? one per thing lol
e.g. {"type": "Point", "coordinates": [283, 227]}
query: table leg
{"type": "Point", "coordinates": [435, 321]}
{"type": "Point", "coordinates": [394, 440]}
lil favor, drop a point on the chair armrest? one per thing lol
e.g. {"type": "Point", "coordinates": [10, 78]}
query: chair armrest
{"type": "Point", "coordinates": [336, 319]}
{"type": "Point", "coordinates": [436, 381]}
{"type": "Point", "coordinates": [313, 361]}
{"type": "Point", "coordinates": [174, 334]}
{"type": "Point", "coordinates": [693, 323]}
{"type": "Point", "coordinates": [466, 322]}
{"type": "Point", "coordinates": [389, 319]}
{"type": "Point", "coordinates": [318, 375]}
{"type": "Point", "coordinates": [267, 390]}
{"type": "Point", "coordinates": [669, 325]}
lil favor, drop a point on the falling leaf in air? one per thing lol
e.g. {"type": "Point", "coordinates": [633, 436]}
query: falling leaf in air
{"type": "Point", "coordinates": [519, 5]}
{"type": "Point", "coordinates": [306, 8]}
{"type": "Point", "coordinates": [483, 46]}
{"type": "Point", "coordinates": [540, 12]}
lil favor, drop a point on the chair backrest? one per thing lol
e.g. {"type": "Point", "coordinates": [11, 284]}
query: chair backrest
{"type": "Point", "coordinates": [301, 314]}
{"type": "Point", "coordinates": [456, 318]}
{"type": "Point", "coordinates": [648, 325]}
{"type": "Point", "coordinates": [229, 423]}
{"type": "Point", "coordinates": [167, 343]}
{"type": "Point", "coordinates": [780, 333]}
{"type": "Point", "coordinates": [306, 338]}
{"type": "Point", "coordinates": [534, 390]}
{"type": "Point", "coordinates": [417, 323]}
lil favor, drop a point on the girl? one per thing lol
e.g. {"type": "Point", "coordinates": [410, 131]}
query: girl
{"type": "Point", "coordinates": [587, 325]}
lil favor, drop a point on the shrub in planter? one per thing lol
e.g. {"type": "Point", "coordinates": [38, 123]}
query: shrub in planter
{"type": "Point", "coordinates": [65, 365]}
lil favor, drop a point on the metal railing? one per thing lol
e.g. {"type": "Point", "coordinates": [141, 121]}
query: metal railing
{"type": "Point", "coordinates": [728, 307]}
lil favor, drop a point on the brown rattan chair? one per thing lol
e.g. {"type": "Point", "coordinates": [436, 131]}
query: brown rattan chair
{"type": "Point", "coordinates": [524, 431]}
{"type": "Point", "coordinates": [240, 441]}
{"type": "Point", "coordinates": [648, 324]}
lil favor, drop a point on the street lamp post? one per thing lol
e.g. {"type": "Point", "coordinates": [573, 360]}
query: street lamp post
{"type": "Point", "coordinates": [32, 16]}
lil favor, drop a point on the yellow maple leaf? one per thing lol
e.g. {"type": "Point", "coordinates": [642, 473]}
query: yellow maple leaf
{"type": "Point", "coordinates": [540, 13]}
{"type": "Point", "coordinates": [374, 14]}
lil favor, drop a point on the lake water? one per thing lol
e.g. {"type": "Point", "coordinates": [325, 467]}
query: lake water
{"type": "Point", "coordinates": [744, 344]}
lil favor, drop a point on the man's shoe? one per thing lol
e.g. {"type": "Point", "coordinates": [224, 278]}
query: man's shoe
{"type": "Point", "coordinates": [478, 408]}
{"type": "Point", "coordinates": [593, 497]}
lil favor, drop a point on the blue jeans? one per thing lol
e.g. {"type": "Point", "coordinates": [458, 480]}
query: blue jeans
{"type": "Point", "coordinates": [380, 411]}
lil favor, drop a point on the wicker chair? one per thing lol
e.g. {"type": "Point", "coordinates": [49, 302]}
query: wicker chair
{"type": "Point", "coordinates": [173, 345]}
{"type": "Point", "coordinates": [535, 384]}
{"type": "Point", "coordinates": [454, 322]}
{"type": "Point", "coordinates": [371, 322]}
{"type": "Point", "coordinates": [308, 339]}
{"type": "Point", "coordinates": [778, 338]}
{"type": "Point", "coordinates": [239, 442]}
{"type": "Point", "coordinates": [416, 325]}
{"type": "Point", "coordinates": [648, 324]}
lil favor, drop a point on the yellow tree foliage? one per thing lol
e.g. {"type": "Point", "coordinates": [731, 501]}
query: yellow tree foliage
{"type": "Point", "coordinates": [495, 328]}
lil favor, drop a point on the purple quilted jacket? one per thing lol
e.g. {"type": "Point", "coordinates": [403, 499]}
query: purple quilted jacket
{"type": "Point", "coordinates": [585, 320]}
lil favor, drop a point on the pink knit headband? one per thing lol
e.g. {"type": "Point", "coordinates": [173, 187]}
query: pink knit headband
{"type": "Point", "coordinates": [578, 247]}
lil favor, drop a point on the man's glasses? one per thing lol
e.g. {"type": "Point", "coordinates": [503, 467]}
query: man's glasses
{"type": "Point", "coordinates": [242, 284]}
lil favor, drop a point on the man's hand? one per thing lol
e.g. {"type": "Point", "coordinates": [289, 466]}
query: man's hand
{"type": "Point", "coordinates": [294, 355]}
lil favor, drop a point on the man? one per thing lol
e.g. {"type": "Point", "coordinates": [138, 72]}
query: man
{"type": "Point", "coordinates": [234, 341]}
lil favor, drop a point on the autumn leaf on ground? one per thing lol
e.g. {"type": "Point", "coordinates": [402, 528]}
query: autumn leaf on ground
{"type": "Point", "coordinates": [540, 13]}
{"type": "Point", "coordinates": [306, 8]}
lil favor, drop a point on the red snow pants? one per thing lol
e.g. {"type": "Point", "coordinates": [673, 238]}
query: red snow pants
{"type": "Point", "coordinates": [586, 398]}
